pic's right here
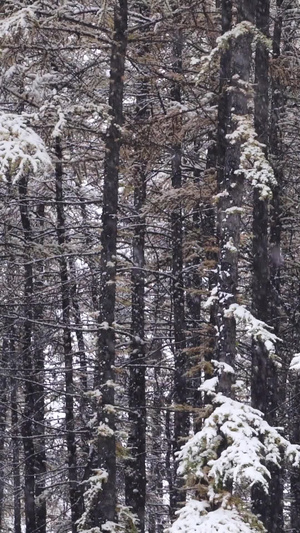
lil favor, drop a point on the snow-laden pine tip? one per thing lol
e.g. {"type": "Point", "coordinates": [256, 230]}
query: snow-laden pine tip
{"type": "Point", "coordinates": [22, 150]}
{"type": "Point", "coordinates": [196, 518]}
{"type": "Point", "coordinates": [295, 363]}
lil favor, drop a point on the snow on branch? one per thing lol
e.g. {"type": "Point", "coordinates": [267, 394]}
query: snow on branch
{"type": "Point", "coordinates": [210, 385]}
{"type": "Point", "coordinates": [95, 486]}
{"type": "Point", "coordinates": [60, 124]}
{"type": "Point", "coordinates": [19, 22]}
{"type": "Point", "coordinates": [295, 363]}
{"type": "Point", "coordinates": [223, 42]}
{"type": "Point", "coordinates": [91, 530]}
{"type": "Point", "coordinates": [196, 518]}
{"type": "Point", "coordinates": [255, 328]}
{"type": "Point", "coordinates": [21, 148]}
{"type": "Point", "coordinates": [235, 446]}
{"type": "Point", "coordinates": [253, 162]}
{"type": "Point", "coordinates": [127, 521]}
{"type": "Point", "coordinates": [233, 452]}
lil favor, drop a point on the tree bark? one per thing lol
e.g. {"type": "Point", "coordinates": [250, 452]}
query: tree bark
{"type": "Point", "coordinates": [103, 508]}
{"type": "Point", "coordinates": [39, 397]}
{"type": "Point", "coordinates": [27, 359]}
{"type": "Point", "coordinates": [85, 431]}
{"type": "Point", "coordinates": [135, 474]}
{"type": "Point", "coordinates": [15, 441]}
{"type": "Point", "coordinates": [75, 492]}
{"type": "Point", "coordinates": [260, 284]}
{"type": "Point", "coordinates": [3, 414]}
{"type": "Point", "coordinates": [13, 362]}
{"type": "Point", "coordinates": [264, 382]}
{"type": "Point", "coordinates": [181, 418]}
{"type": "Point", "coordinates": [157, 513]}
{"type": "Point", "coordinates": [235, 65]}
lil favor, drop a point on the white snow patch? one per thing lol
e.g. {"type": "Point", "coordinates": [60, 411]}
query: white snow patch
{"type": "Point", "coordinates": [250, 444]}
{"type": "Point", "coordinates": [195, 518]}
{"type": "Point", "coordinates": [21, 21]}
{"type": "Point", "coordinates": [253, 162]}
{"type": "Point", "coordinates": [295, 363]}
{"type": "Point", "coordinates": [21, 148]}
{"type": "Point", "coordinates": [209, 385]}
{"type": "Point", "coordinates": [104, 430]}
{"type": "Point", "coordinates": [255, 328]}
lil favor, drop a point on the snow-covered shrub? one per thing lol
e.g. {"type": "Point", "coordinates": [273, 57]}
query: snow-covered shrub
{"type": "Point", "coordinates": [231, 454]}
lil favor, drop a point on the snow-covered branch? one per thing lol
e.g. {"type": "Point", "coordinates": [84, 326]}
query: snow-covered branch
{"type": "Point", "coordinates": [253, 162]}
{"type": "Point", "coordinates": [196, 518]}
{"type": "Point", "coordinates": [223, 41]}
{"type": "Point", "coordinates": [21, 148]}
{"type": "Point", "coordinates": [19, 22]}
{"type": "Point", "coordinates": [295, 363]}
{"type": "Point", "coordinates": [234, 449]}
{"type": "Point", "coordinates": [257, 329]}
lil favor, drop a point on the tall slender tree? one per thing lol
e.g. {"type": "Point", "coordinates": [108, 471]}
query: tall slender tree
{"type": "Point", "coordinates": [264, 371]}
{"type": "Point", "coordinates": [102, 508]}
{"type": "Point", "coordinates": [235, 68]}
{"type": "Point", "coordinates": [27, 359]}
{"type": "Point", "coordinates": [135, 475]}
{"type": "Point", "coordinates": [76, 499]}
{"type": "Point", "coordinates": [181, 418]}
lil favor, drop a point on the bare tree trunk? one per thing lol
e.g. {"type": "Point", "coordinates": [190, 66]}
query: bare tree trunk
{"type": "Point", "coordinates": [39, 398]}
{"type": "Point", "coordinates": [13, 362]}
{"type": "Point", "coordinates": [276, 387]}
{"type": "Point", "coordinates": [3, 413]}
{"type": "Point", "coordinates": [135, 474]}
{"type": "Point", "coordinates": [79, 335]}
{"type": "Point", "coordinates": [181, 418]}
{"type": "Point", "coordinates": [222, 182]}
{"type": "Point", "coordinates": [264, 382]}
{"type": "Point", "coordinates": [260, 287]}
{"type": "Point", "coordinates": [15, 441]}
{"type": "Point", "coordinates": [103, 507]}
{"type": "Point", "coordinates": [295, 474]}
{"type": "Point", "coordinates": [85, 430]}
{"type": "Point", "coordinates": [75, 492]}
{"type": "Point", "coordinates": [27, 359]}
{"type": "Point", "coordinates": [157, 512]}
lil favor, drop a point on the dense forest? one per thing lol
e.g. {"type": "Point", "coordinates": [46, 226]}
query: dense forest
{"type": "Point", "coordinates": [150, 266]}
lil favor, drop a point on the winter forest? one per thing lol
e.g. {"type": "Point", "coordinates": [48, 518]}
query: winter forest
{"type": "Point", "coordinates": [150, 266]}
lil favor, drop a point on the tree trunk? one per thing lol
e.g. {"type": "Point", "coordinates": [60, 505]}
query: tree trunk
{"type": "Point", "coordinates": [264, 372]}
{"type": "Point", "coordinates": [268, 507]}
{"type": "Point", "coordinates": [39, 397]}
{"type": "Point", "coordinates": [13, 363]}
{"type": "Point", "coordinates": [27, 358]}
{"type": "Point", "coordinates": [260, 284]}
{"type": "Point", "coordinates": [85, 431]}
{"type": "Point", "coordinates": [103, 508]}
{"type": "Point", "coordinates": [157, 512]}
{"type": "Point", "coordinates": [295, 471]}
{"type": "Point", "coordinates": [15, 441]}
{"type": "Point", "coordinates": [277, 154]}
{"type": "Point", "coordinates": [181, 418]}
{"type": "Point", "coordinates": [3, 413]}
{"type": "Point", "coordinates": [75, 492]}
{"type": "Point", "coordinates": [235, 64]}
{"type": "Point", "coordinates": [135, 474]}
{"type": "Point", "coordinates": [223, 127]}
